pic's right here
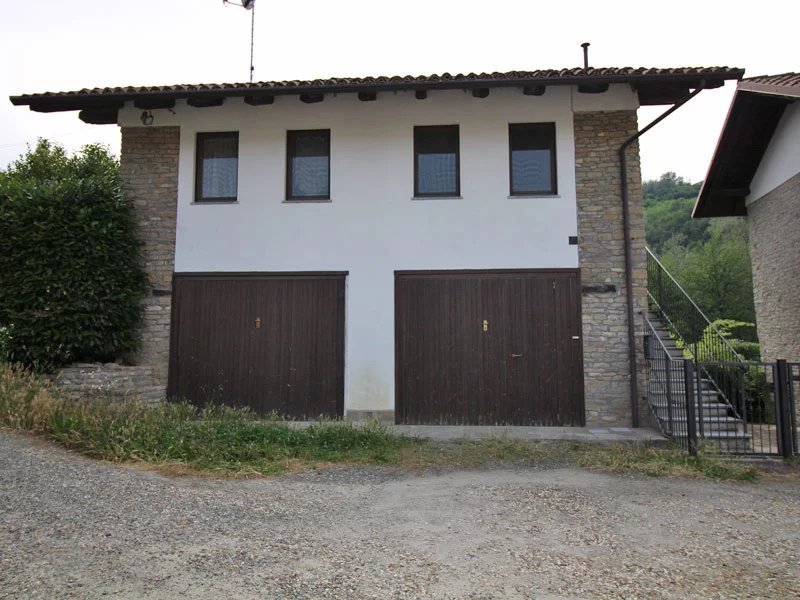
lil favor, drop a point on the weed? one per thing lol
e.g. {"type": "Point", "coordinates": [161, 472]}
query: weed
{"type": "Point", "coordinates": [180, 438]}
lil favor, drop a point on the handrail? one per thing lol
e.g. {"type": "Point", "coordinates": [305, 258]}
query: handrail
{"type": "Point", "coordinates": [658, 337]}
{"type": "Point", "coordinates": [664, 385]}
{"type": "Point", "coordinates": [690, 325]}
{"type": "Point", "coordinates": [697, 308]}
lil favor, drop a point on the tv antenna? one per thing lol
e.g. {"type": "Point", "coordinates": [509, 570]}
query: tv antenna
{"type": "Point", "coordinates": [251, 6]}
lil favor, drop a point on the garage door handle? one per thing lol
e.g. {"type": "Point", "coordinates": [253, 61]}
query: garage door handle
{"type": "Point", "coordinates": [515, 355]}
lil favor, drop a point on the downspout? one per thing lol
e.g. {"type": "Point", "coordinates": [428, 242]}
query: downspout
{"type": "Point", "coordinates": [623, 165]}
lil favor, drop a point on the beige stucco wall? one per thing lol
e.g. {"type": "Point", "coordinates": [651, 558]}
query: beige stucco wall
{"type": "Point", "coordinates": [150, 172]}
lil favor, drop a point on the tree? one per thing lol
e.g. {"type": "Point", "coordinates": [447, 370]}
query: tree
{"type": "Point", "coordinates": [717, 275]}
{"type": "Point", "coordinates": [669, 187]}
{"type": "Point", "coordinates": [71, 280]}
{"type": "Point", "coordinates": [667, 218]}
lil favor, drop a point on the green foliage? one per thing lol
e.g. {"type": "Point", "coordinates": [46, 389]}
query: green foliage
{"type": "Point", "coordinates": [670, 223]}
{"type": "Point", "coordinates": [70, 275]}
{"type": "Point", "coordinates": [669, 187]}
{"type": "Point", "coordinates": [746, 387]}
{"type": "Point", "coordinates": [717, 275]}
{"type": "Point", "coordinates": [668, 203]}
{"type": "Point", "coordinates": [5, 343]}
{"type": "Point", "coordinates": [740, 335]}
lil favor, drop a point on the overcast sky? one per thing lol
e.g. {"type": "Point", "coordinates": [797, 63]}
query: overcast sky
{"type": "Point", "coordinates": [59, 45]}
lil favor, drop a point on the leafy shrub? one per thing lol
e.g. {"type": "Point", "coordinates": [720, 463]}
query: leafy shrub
{"type": "Point", "coordinates": [746, 387]}
{"type": "Point", "coordinates": [71, 281]}
{"type": "Point", "coordinates": [740, 335]}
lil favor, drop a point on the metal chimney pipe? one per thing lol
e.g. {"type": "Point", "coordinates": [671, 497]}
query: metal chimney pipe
{"type": "Point", "coordinates": [585, 46]}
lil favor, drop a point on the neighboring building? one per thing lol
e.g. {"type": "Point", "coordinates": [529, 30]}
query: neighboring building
{"type": "Point", "coordinates": [755, 173]}
{"type": "Point", "coordinates": [444, 249]}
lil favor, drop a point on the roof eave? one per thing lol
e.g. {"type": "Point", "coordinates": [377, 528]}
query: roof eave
{"type": "Point", "coordinates": [750, 124]}
{"type": "Point", "coordinates": [57, 103]}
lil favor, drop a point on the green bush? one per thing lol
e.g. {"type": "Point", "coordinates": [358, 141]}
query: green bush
{"type": "Point", "coordinates": [747, 387]}
{"type": "Point", "coordinates": [71, 280]}
{"type": "Point", "coordinates": [740, 335]}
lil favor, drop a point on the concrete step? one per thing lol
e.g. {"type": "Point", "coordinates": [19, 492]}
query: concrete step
{"type": "Point", "coordinates": [675, 394]}
{"type": "Point", "coordinates": [711, 424]}
{"type": "Point", "coordinates": [724, 441]}
{"type": "Point", "coordinates": [679, 402]}
{"type": "Point", "coordinates": [714, 410]}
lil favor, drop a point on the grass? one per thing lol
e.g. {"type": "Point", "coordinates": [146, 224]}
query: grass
{"type": "Point", "coordinates": [180, 438]}
{"type": "Point", "coordinates": [622, 458]}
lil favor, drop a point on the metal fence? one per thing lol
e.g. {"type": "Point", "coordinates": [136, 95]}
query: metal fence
{"type": "Point", "coordinates": [734, 407]}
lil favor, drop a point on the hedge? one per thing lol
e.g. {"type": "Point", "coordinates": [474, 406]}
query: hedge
{"type": "Point", "coordinates": [71, 280]}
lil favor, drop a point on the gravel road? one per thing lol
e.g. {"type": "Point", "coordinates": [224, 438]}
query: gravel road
{"type": "Point", "coordinates": [75, 528]}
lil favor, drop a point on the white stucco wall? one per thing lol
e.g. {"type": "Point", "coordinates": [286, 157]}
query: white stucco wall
{"type": "Point", "coordinates": [781, 161]}
{"type": "Point", "coordinates": [372, 226]}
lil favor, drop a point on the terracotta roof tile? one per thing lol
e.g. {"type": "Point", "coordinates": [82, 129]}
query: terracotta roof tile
{"type": "Point", "coordinates": [546, 76]}
{"type": "Point", "coordinates": [785, 84]}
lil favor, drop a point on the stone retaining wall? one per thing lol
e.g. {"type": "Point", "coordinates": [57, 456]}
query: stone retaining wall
{"type": "Point", "coordinates": [110, 380]}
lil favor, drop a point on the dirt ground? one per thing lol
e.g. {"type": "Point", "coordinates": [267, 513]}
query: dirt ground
{"type": "Point", "coordinates": [75, 528]}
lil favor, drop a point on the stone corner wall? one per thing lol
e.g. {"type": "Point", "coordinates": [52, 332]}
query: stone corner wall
{"type": "Point", "coordinates": [149, 172]}
{"type": "Point", "coordinates": [601, 251]}
{"type": "Point", "coordinates": [774, 229]}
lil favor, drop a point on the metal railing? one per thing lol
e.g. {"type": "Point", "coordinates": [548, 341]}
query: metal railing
{"type": "Point", "coordinates": [698, 336]}
{"type": "Point", "coordinates": [689, 408]}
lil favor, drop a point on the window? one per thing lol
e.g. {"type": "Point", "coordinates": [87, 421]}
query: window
{"type": "Point", "coordinates": [436, 161]}
{"type": "Point", "coordinates": [217, 168]}
{"type": "Point", "coordinates": [308, 160]}
{"type": "Point", "coordinates": [532, 158]}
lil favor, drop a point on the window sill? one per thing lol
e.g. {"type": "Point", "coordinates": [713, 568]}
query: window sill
{"type": "Point", "coordinates": [214, 202]}
{"type": "Point", "coordinates": [437, 197]}
{"type": "Point", "coordinates": [309, 201]}
{"type": "Point", "coordinates": [533, 196]}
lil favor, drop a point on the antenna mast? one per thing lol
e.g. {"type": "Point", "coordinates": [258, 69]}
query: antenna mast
{"type": "Point", "coordinates": [251, 6]}
{"type": "Point", "coordinates": [252, 35]}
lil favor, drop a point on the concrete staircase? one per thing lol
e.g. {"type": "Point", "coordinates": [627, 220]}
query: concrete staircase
{"type": "Point", "coordinates": [666, 395]}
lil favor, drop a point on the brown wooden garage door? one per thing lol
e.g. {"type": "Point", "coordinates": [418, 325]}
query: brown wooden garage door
{"type": "Point", "coordinates": [273, 342]}
{"type": "Point", "coordinates": [495, 347]}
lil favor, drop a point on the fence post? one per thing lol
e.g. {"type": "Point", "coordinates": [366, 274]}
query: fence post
{"type": "Point", "coordinates": [699, 379]}
{"type": "Point", "coordinates": [691, 426]}
{"type": "Point", "coordinates": [783, 420]}
{"type": "Point", "coordinates": [668, 374]}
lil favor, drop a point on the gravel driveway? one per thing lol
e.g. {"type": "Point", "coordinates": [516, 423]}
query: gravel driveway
{"type": "Point", "coordinates": [75, 528]}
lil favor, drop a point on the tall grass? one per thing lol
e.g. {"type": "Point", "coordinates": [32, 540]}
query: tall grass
{"type": "Point", "coordinates": [180, 437]}
{"type": "Point", "coordinates": [214, 439]}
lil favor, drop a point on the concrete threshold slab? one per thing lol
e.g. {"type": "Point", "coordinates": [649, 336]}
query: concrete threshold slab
{"type": "Point", "coordinates": [577, 434]}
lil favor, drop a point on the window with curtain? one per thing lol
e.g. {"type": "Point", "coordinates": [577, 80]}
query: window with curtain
{"type": "Point", "coordinates": [217, 167]}
{"type": "Point", "coordinates": [436, 161]}
{"type": "Point", "coordinates": [308, 158]}
{"type": "Point", "coordinates": [532, 158]}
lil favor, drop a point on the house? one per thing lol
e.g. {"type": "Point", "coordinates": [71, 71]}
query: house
{"type": "Point", "coordinates": [755, 173]}
{"type": "Point", "coordinates": [437, 249]}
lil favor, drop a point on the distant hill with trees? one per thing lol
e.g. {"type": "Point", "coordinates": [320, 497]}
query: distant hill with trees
{"type": "Point", "coordinates": [710, 258]}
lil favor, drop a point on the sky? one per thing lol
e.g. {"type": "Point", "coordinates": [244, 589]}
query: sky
{"type": "Point", "coordinates": [55, 45]}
